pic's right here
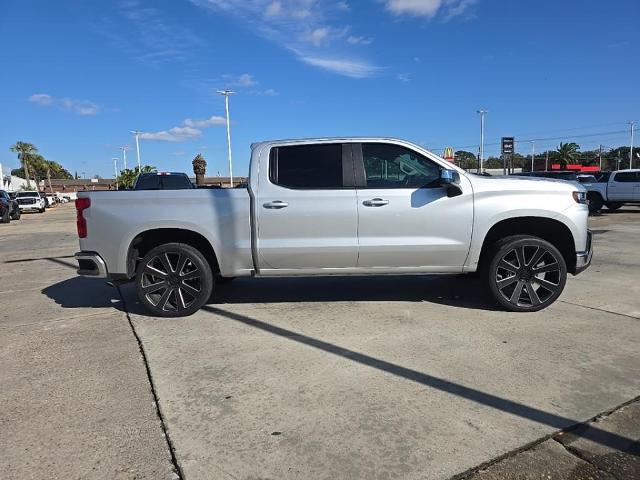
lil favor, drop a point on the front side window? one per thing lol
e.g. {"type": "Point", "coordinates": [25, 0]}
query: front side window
{"type": "Point", "coordinates": [307, 166]}
{"type": "Point", "coordinates": [626, 177]}
{"type": "Point", "coordinates": [393, 166]}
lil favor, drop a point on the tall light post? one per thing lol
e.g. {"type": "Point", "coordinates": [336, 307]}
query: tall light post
{"type": "Point", "coordinates": [115, 171]}
{"type": "Point", "coordinates": [632, 125]}
{"type": "Point", "coordinates": [124, 155]}
{"type": "Point", "coordinates": [533, 153]}
{"type": "Point", "coordinates": [481, 162]}
{"type": "Point", "coordinates": [137, 134]}
{"type": "Point", "coordinates": [225, 94]}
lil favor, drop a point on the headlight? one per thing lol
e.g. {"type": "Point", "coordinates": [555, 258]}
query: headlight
{"type": "Point", "coordinates": [580, 197]}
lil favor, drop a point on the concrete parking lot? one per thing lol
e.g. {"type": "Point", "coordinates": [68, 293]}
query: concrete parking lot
{"type": "Point", "coordinates": [359, 378]}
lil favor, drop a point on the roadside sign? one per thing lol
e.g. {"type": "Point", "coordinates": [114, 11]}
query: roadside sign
{"type": "Point", "coordinates": [448, 154]}
{"type": "Point", "coordinates": [507, 145]}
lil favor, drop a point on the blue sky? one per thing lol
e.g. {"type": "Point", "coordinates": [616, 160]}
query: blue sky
{"type": "Point", "coordinates": [78, 75]}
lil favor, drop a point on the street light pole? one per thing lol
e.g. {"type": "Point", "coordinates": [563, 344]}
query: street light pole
{"type": "Point", "coordinates": [225, 94]}
{"type": "Point", "coordinates": [124, 155]}
{"type": "Point", "coordinates": [632, 125]}
{"type": "Point", "coordinates": [137, 134]}
{"type": "Point", "coordinates": [533, 153]}
{"type": "Point", "coordinates": [481, 162]}
{"type": "Point", "coordinates": [115, 171]}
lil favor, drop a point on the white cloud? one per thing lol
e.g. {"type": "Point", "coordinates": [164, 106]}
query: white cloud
{"type": "Point", "coordinates": [347, 67]}
{"type": "Point", "coordinates": [244, 80]}
{"type": "Point", "coordinates": [353, 40]}
{"type": "Point", "coordinates": [209, 122]}
{"type": "Point", "coordinates": [81, 107]}
{"type": "Point", "coordinates": [41, 99]}
{"type": "Point", "coordinates": [273, 9]}
{"type": "Point", "coordinates": [188, 130]}
{"type": "Point", "coordinates": [429, 8]}
{"type": "Point", "coordinates": [313, 30]}
{"type": "Point", "coordinates": [270, 92]}
{"type": "Point", "coordinates": [404, 77]}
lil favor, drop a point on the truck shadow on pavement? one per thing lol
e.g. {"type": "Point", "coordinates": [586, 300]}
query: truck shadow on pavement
{"type": "Point", "coordinates": [459, 291]}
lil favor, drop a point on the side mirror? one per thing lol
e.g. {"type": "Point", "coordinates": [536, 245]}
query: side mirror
{"type": "Point", "coordinates": [451, 180]}
{"type": "Point", "coordinates": [449, 177]}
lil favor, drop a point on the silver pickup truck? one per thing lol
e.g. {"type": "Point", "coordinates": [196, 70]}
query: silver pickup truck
{"type": "Point", "coordinates": [339, 206]}
{"type": "Point", "coordinates": [618, 188]}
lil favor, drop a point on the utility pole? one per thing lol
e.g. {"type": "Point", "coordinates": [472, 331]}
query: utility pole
{"type": "Point", "coordinates": [546, 161]}
{"type": "Point", "coordinates": [124, 155]}
{"type": "Point", "coordinates": [226, 94]}
{"type": "Point", "coordinates": [481, 159]}
{"type": "Point", "coordinates": [533, 153]}
{"type": "Point", "coordinates": [632, 125]}
{"type": "Point", "coordinates": [137, 134]}
{"type": "Point", "coordinates": [49, 178]}
{"type": "Point", "coordinates": [115, 170]}
{"type": "Point", "coordinates": [600, 156]}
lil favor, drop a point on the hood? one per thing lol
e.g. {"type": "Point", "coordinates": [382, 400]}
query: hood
{"type": "Point", "coordinates": [525, 184]}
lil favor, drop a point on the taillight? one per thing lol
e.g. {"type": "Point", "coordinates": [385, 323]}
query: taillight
{"type": "Point", "coordinates": [81, 205]}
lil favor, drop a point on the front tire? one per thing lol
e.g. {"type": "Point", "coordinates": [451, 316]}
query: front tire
{"type": "Point", "coordinates": [174, 280]}
{"type": "Point", "coordinates": [595, 202]}
{"type": "Point", "coordinates": [526, 273]}
{"type": "Point", "coordinates": [5, 217]}
{"type": "Point", "coordinates": [16, 215]}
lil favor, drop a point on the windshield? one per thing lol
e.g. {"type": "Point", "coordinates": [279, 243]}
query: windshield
{"type": "Point", "coordinates": [587, 179]}
{"type": "Point", "coordinates": [27, 194]}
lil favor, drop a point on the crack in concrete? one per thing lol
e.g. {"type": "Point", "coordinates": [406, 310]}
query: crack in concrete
{"type": "Point", "coordinates": [552, 436]}
{"type": "Point", "coordinates": [601, 310]}
{"type": "Point", "coordinates": [156, 400]}
{"type": "Point", "coordinates": [576, 453]}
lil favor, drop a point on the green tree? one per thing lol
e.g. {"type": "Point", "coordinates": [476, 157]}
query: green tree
{"type": "Point", "coordinates": [466, 160]}
{"type": "Point", "coordinates": [25, 151]}
{"type": "Point", "coordinates": [567, 153]}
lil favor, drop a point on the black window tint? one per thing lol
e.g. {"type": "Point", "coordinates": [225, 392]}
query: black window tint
{"type": "Point", "coordinates": [307, 166]}
{"type": "Point", "coordinates": [163, 182]}
{"type": "Point", "coordinates": [393, 166]}
{"type": "Point", "coordinates": [626, 177]}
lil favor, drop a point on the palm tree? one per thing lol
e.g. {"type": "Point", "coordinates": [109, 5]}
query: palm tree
{"type": "Point", "coordinates": [567, 153]}
{"type": "Point", "coordinates": [128, 176]}
{"type": "Point", "coordinates": [25, 151]}
{"type": "Point", "coordinates": [199, 168]}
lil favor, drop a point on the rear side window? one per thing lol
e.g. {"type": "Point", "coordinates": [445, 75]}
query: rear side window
{"type": "Point", "coordinates": [307, 166]}
{"type": "Point", "coordinates": [163, 182]}
{"type": "Point", "coordinates": [626, 177]}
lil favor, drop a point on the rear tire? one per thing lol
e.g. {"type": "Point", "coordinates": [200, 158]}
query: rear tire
{"type": "Point", "coordinates": [174, 280]}
{"type": "Point", "coordinates": [613, 205]}
{"type": "Point", "coordinates": [526, 273]}
{"type": "Point", "coordinates": [595, 202]}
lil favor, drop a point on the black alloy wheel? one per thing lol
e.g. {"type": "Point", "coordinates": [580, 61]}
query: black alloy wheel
{"type": "Point", "coordinates": [174, 280]}
{"type": "Point", "coordinates": [526, 274]}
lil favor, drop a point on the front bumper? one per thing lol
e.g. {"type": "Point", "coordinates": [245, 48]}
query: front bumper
{"type": "Point", "coordinates": [583, 259]}
{"type": "Point", "coordinates": [91, 264]}
{"type": "Point", "coordinates": [30, 206]}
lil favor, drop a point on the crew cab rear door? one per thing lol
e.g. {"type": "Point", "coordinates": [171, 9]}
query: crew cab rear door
{"type": "Point", "coordinates": [624, 187]}
{"type": "Point", "coordinates": [306, 208]}
{"type": "Point", "coordinates": [405, 218]}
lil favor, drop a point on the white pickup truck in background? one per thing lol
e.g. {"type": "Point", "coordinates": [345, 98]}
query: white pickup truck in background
{"type": "Point", "coordinates": [339, 206]}
{"type": "Point", "coordinates": [622, 186]}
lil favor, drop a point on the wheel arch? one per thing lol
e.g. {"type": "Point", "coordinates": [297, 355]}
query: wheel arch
{"type": "Point", "coordinates": [549, 229]}
{"type": "Point", "coordinates": [144, 241]}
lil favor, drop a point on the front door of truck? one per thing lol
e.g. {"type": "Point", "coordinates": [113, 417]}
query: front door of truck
{"type": "Point", "coordinates": [306, 209]}
{"type": "Point", "coordinates": [405, 218]}
{"type": "Point", "coordinates": [621, 187]}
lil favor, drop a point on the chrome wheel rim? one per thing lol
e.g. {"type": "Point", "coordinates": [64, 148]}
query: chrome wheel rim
{"type": "Point", "coordinates": [528, 276]}
{"type": "Point", "coordinates": [171, 282]}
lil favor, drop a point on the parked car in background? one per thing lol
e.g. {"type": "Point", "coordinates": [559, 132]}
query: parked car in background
{"type": "Point", "coordinates": [163, 181]}
{"type": "Point", "coordinates": [30, 201]}
{"type": "Point", "coordinates": [348, 206]}
{"type": "Point", "coordinates": [14, 209]}
{"type": "Point", "coordinates": [51, 199]}
{"type": "Point", "coordinates": [9, 209]}
{"type": "Point", "coordinates": [622, 186]}
{"type": "Point", "coordinates": [586, 179]}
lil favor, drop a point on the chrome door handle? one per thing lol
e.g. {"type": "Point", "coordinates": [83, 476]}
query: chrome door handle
{"type": "Point", "coordinates": [375, 202]}
{"type": "Point", "coordinates": [275, 204]}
